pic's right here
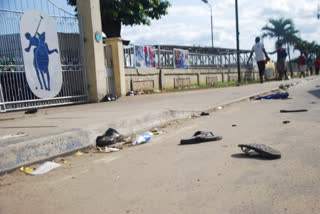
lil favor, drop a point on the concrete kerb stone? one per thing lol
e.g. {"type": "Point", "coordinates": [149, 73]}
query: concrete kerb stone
{"type": "Point", "coordinates": [43, 148]}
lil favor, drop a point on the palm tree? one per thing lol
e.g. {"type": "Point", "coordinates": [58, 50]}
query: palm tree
{"type": "Point", "coordinates": [283, 30]}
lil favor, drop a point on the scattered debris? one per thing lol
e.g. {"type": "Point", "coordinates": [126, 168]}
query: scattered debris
{"type": "Point", "coordinates": [284, 87]}
{"type": "Point", "coordinates": [200, 137]}
{"type": "Point", "coordinates": [204, 113]}
{"type": "Point", "coordinates": [286, 122]}
{"type": "Point", "coordinates": [78, 153]}
{"type": "Point", "coordinates": [261, 150]}
{"type": "Point", "coordinates": [279, 95]}
{"type": "Point", "coordinates": [107, 149]}
{"type": "Point", "coordinates": [109, 97]}
{"type": "Point", "coordinates": [156, 91]}
{"type": "Point", "coordinates": [45, 168]}
{"type": "Point", "coordinates": [19, 134]}
{"type": "Point", "coordinates": [131, 93]}
{"type": "Point", "coordinates": [313, 103]}
{"type": "Point", "coordinates": [26, 170]}
{"type": "Point", "coordinates": [317, 86]}
{"type": "Point", "coordinates": [296, 110]}
{"type": "Point", "coordinates": [111, 136]}
{"type": "Point", "coordinates": [143, 138]}
{"type": "Point", "coordinates": [220, 107]}
{"type": "Point", "coordinates": [157, 132]}
{"type": "Point", "coordinates": [141, 92]}
{"type": "Point", "coordinates": [234, 125]}
{"type": "Point", "coordinates": [31, 111]}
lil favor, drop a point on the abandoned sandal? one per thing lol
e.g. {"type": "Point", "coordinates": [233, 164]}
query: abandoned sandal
{"type": "Point", "coordinates": [200, 137]}
{"type": "Point", "coordinates": [260, 149]}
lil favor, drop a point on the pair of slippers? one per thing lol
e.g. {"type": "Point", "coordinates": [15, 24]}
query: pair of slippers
{"type": "Point", "coordinates": [249, 149]}
{"type": "Point", "coordinates": [111, 136]}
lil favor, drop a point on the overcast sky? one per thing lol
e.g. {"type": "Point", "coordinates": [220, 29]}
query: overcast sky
{"type": "Point", "coordinates": [188, 22]}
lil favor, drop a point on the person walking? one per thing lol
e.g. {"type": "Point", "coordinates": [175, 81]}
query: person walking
{"type": "Point", "coordinates": [281, 57]}
{"type": "Point", "coordinates": [302, 65]}
{"type": "Point", "coordinates": [260, 52]}
{"type": "Point", "coordinates": [317, 65]}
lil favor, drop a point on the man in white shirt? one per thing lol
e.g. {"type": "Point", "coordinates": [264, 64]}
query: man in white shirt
{"type": "Point", "coordinates": [260, 53]}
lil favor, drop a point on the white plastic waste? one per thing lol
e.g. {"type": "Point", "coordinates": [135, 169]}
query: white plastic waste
{"type": "Point", "coordinates": [143, 138]}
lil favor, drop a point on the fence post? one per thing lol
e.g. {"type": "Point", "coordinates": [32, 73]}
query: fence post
{"type": "Point", "coordinates": [118, 65]}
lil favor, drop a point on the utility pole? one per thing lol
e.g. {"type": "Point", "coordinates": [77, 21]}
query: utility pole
{"type": "Point", "coordinates": [237, 32]}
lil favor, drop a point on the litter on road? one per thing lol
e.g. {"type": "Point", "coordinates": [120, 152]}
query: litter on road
{"type": "Point", "coordinates": [19, 134]}
{"type": "Point", "coordinates": [44, 168]}
{"type": "Point", "coordinates": [291, 111]}
{"type": "Point", "coordinates": [279, 95]}
{"type": "Point", "coordinates": [286, 122]}
{"type": "Point", "coordinates": [261, 150]}
{"type": "Point", "coordinates": [109, 97]}
{"type": "Point", "coordinates": [78, 153]}
{"type": "Point", "coordinates": [143, 138]}
{"type": "Point", "coordinates": [31, 111]}
{"type": "Point", "coordinates": [111, 136]}
{"type": "Point", "coordinates": [220, 107]}
{"type": "Point", "coordinates": [200, 137]}
{"type": "Point", "coordinates": [204, 113]}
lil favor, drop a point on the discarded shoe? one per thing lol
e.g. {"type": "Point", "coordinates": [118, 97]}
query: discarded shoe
{"type": "Point", "coordinates": [204, 113]}
{"type": "Point", "coordinates": [261, 149]}
{"type": "Point", "coordinates": [31, 111]}
{"type": "Point", "coordinates": [200, 137]}
{"type": "Point", "coordinates": [111, 136]}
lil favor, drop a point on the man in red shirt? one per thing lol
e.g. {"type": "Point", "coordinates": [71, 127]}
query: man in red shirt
{"type": "Point", "coordinates": [302, 64]}
{"type": "Point", "coordinates": [317, 65]}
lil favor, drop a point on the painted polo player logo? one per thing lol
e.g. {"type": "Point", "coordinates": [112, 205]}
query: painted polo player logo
{"type": "Point", "coordinates": [41, 54]}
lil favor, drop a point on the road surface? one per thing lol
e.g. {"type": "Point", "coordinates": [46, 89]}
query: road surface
{"type": "Point", "coordinates": [164, 177]}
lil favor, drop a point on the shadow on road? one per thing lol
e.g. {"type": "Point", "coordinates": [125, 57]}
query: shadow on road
{"type": "Point", "coordinates": [315, 93]}
{"type": "Point", "coordinates": [244, 156]}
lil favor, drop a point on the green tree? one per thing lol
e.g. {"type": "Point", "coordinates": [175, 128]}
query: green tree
{"type": "Point", "coordinates": [282, 30]}
{"type": "Point", "coordinates": [114, 13]}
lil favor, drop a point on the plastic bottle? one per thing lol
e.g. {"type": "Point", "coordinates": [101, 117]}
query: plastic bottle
{"type": "Point", "coordinates": [143, 138]}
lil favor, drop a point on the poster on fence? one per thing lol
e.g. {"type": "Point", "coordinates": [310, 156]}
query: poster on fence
{"type": "Point", "coordinates": [181, 58]}
{"type": "Point", "coordinates": [145, 57]}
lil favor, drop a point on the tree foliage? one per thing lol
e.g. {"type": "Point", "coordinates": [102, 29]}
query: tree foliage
{"type": "Point", "coordinates": [128, 12]}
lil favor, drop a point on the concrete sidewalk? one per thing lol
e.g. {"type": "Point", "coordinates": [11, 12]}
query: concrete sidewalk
{"type": "Point", "coordinates": [55, 131]}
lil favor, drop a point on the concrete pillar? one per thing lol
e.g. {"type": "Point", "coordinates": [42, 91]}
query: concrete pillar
{"type": "Point", "coordinates": [118, 65]}
{"type": "Point", "coordinates": [89, 12]}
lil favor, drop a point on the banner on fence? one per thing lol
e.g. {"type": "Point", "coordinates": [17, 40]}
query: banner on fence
{"type": "Point", "coordinates": [145, 57]}
{"type": "Point", "coordinates": [181, 58]}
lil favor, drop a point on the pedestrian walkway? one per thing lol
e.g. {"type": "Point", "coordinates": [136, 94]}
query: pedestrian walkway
{"type": "Point", "coordinates": [53, 131]}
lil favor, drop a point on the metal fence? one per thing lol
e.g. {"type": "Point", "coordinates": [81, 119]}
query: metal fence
{"type": "Point", "coordinates": [15, 93]}
{"type": "Point", "coordinates": [197, 59]}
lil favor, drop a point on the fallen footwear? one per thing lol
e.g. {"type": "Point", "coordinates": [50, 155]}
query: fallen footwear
{"type": "Point", "coordinates": [204, 113]}
{"type": "Point", "coordinates": [200, 137]}
{"type": "Point", "coordinates": [31, 111]}
{"type": "Point", "coordinates": [290, 111]}
{"type": "Point", "coordinates": [111, 136]}
{"type": "Point", "coordinates": [261, 149]}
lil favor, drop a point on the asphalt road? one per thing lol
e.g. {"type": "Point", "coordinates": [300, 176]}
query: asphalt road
{"type": "Point", "coordinates": [215, 177]}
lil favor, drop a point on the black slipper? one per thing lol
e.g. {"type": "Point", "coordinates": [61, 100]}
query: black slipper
{"type": "Point", "coordinates": [261, 149]}
{"type": "Point", "coordinates": [200, 137]}
{"type": "Point", "coordinates": [297, 110]}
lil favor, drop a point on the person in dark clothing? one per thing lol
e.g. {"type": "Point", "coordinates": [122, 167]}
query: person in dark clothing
{"type": "Point", "coordinates": [261, 54]}
{"type": "Point", "coordinates": [281, 57]}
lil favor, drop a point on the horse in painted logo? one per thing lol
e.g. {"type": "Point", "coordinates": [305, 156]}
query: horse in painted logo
{"type": "Point", "coordinates": [41, 54]}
